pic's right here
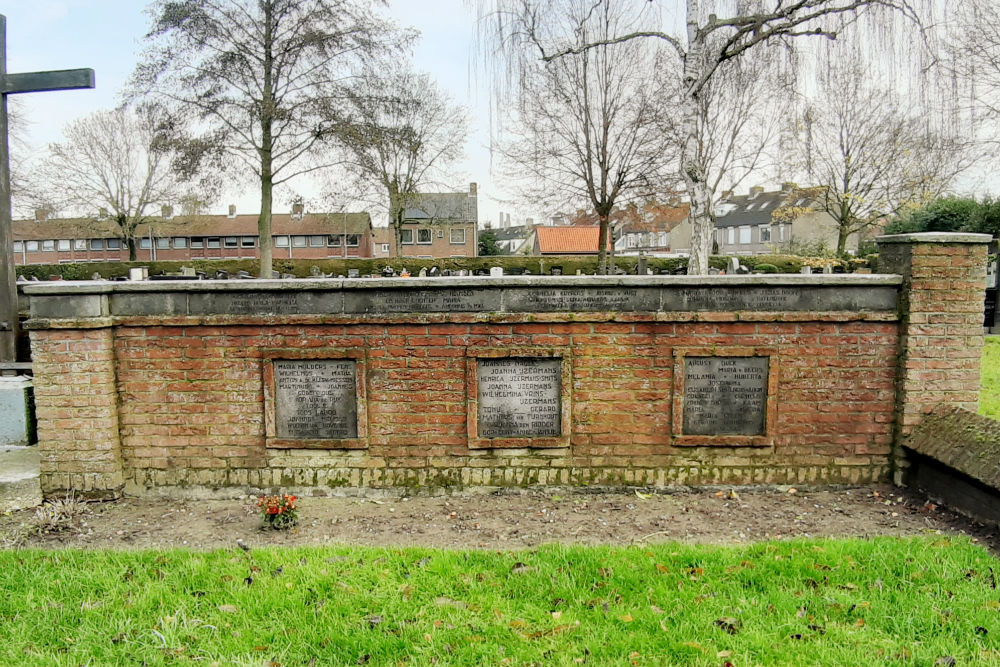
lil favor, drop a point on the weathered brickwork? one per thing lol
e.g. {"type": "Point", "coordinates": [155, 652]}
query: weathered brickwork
{"type": "Point", "coordinates": [941, 329]}
{"type": "Point", "coordinates": [151, 403]}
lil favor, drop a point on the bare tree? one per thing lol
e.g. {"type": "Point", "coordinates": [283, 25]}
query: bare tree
{"type": "Point", "coordinates": [585, 128]}
{"type": "Point", "coordinates": [400, 131]}
{"type": "Point", "coordinates": [976, 52]}
{"type": "Point", "coordinates": [252, 77]}
{"type": "Point", "coordinates": [874, 159]}
{"type": "Point", "coordinates": [114, 160]}
{"type": "Point", "coordinates": [704, 43]}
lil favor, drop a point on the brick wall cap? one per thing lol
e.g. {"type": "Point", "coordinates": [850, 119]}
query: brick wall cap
{"type": "Point", "coordinates": [934, 237]}
{"type": "Point", "coordinates": [457, 282]}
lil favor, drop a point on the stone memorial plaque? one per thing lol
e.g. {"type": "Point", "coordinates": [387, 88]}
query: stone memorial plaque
{"type": "Point", "coordinates": [583, 299]}
{"type": "Point", "coordinates": [780, 298]}
{"type": "Point", "coordinates": [315, 399]}
{"type": "Point", "coordinates": [520, 397]}
{"type": "Point", "coordinates": [725, 395]}
{"type": "Point", "coordinates": [265, 303]}
{"type": "Point", "coordinates": [422, 301]}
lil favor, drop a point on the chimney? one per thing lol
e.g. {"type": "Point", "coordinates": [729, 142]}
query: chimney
{"type": "Point", "coordinates": [166, 212]}
{"type": "Point", "coordinates": [232, 210]}
{"type": "Point", "coordinates": [726, 194]}
{"type": "Point", "coordinates": [41, 214]}
{"type": "Point", "coordinates": [297, 211]}
{"type": "Point", "coordinates": [508, 222]}
{"type": "Point", "coordinates": [529, 221]}
{"type": "Point", "coordinates": [472, 189]}
{"type": "Point", "coordinates": [756, 190]}
{"type": "Point", "coordinates": [788, 186]}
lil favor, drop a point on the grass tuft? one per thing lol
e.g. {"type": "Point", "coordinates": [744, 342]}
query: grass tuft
{"type": "Point", "coordinates": [885, 601]}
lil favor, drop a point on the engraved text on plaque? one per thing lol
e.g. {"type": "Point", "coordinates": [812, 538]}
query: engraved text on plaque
{"type": "Point", "coordinates": [519, 397]}
{"type": "Point", "coordinates": [315, 399]}
{"type": "Point", "coordinates": [725, 395]}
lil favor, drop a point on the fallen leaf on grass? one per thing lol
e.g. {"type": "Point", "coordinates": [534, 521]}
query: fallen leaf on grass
{"type": "Point", "coordinates": [521, 568]}
{"type": "Point", "coordinates": [724, 654]}
{"type": "Point", "coordinates": [627, 618]}
{"type": "Point", "coordinates": [729, 624]}
{"type": "Point", "coordinates": [229, 609]}
{"type": "Point", "coordinates": [695, 645]}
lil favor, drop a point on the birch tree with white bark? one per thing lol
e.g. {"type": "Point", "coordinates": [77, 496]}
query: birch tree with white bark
{"type": "Point", "coordinates": [702, 35]}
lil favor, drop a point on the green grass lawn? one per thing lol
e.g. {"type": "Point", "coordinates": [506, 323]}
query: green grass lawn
{"type": "Point", "coordinates": [885, 601]}
{"type": "Point", "coordinates": [989, 399]}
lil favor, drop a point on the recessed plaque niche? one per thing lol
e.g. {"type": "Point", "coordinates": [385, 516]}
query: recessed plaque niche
{"type": "Point", "coordinates": [519, 397]}
{"type": "Point", "coordinates": [725, 395]}
{"type": "Point", "coordinates": [315, 398]}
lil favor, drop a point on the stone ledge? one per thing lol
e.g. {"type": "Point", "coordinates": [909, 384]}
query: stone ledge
{"type": "Point", "coordinates": [962, 440]}
{"type": "Point", "coordinates": [935, 237]}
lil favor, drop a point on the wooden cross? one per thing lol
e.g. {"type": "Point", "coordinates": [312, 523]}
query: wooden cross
{"type": "Point", "coordinates": [9, 85]}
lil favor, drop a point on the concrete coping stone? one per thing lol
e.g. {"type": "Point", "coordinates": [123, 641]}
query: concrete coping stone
{"type": "Point", "coordinates": [67, 287]}
{"type": "Point", "coordinates": [935, 237]}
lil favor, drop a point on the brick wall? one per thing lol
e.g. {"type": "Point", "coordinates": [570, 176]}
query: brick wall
{"type": "Point", "coordinates": [165, 391]}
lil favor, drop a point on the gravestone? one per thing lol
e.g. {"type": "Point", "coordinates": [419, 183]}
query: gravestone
{"type": "Point", "coordinates": [315, 399]}
{"type": "Point", "coordinates": [725, 395]}
{"type": "Point", "coordinates": [520, 397]}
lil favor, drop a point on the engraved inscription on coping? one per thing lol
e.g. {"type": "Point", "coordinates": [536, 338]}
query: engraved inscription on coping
{"type": "Point", "coordinates": [769, 299]}
{"type": "Point", "coordinates": [249, 304]}
{"type": "Point", "coordinates": [725, 395]}
{"type": "Point", "coordinates": [586, 299]}
{"type": "Point", "coordinates": [520, 397]}
{"type": "Point", "coordinates": [315, 399]}
{"type": "Point", "coordinates": [451, 300]}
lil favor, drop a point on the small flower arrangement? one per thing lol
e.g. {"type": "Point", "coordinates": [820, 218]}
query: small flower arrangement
{"type": "Point", "coordinates": [279, 512]}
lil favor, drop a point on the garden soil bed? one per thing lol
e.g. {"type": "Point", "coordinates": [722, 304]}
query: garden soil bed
{"type": "Point", "coordinates": [503, 520]}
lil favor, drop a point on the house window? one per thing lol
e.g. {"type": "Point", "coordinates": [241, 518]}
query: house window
{"type": "Point", "coordinates": [731, 236]}
{"type": "Point", "coordinates": [114, 244]}
{"type": "Point", "coordinates": [424, 236]}
{"type": "Point", "coordinates": [298, 242]}
{"type": "Point", "coordinates": [32, 246]}
{"type": "Point", "coordinates": [334, 240]}
{"type": "Point", "coordinates": [180, 242]}
{"type": "Point", "coordinates": [248, 241]}
{"type": "Point", "coordinates": [48, 246]}
{"type": "Point", "coordinates": [744, 234]}
{"type": "Point", "coordinates": [214, 242]}
{"type": "Point", "coordinates": [457, 237]}
{"type": "Point", "coordinates": [280, 241]}
{"type": "Point", "coordinates": [353, 240]}
{"type": "Point", "coordinates": [317, 241]}
{"type": "Point", "coordinates": [144, 244]}
{"type": "Point", "coordinates": [232, 242]}
{"type": "Point", "coordinates": [765, 233]}
{"type": "Point", "coordinates": [64, 245]}
{"type": "Point", "coordinates": [385, 247]}
{"type": "Point", "coordinates": [197, 242]}
{"type": "Point", "coordinates": [80, 244]}
{"type": "Point", "coordinates": [18, 246]}
{"type": "Point", "coordinates": [781, 232]}
{"type": "Point", "coordinates": [662, 240]}
{"type": "Point", "coordinates": [163, 244]}
{"type": "Point", "coordinates": [406, 236]}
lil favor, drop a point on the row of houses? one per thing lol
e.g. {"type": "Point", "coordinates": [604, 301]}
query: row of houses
{"type": "Point", "coordinates": [436, 225]}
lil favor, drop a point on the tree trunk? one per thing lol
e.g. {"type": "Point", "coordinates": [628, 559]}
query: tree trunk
{"type": "Point", "coordinates": [693, 170]}
{"type": "Point", "coordinates": [842, 233]}
{"type": "Point", "coordinates": [396, 219]}
{"type": "Point", "coordinates": [130, 244]}
{"type": "Point", "coordinates": [602, 244]}
{"type": "Point", "coordinates": [266, 148]}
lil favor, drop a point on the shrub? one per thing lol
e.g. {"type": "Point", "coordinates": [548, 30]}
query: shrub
{"type": "Point", "coordinates": [279, 512]}
{"type": "Point", "coordinates": [765, 268]}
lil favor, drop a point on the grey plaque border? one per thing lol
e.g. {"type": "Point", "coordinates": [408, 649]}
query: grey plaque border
{"type": "Point", "coordinates": [269, 356]}
{"type": "Point", "coordinates": [767, 439]}
{"type": "Point", "coordinates": [474, 354]}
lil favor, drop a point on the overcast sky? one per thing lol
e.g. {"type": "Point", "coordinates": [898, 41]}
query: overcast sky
{"type": "Point", "coordinates": [106, 35]}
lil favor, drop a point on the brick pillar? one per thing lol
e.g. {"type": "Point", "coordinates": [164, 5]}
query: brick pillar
{"type": "Point", "coordinates": [77, 407]}
{"type": "Point", "coordinates": [941, 324]}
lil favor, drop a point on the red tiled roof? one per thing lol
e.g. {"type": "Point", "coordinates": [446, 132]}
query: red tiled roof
{"type": "Point", "coordinates": [568, 240]}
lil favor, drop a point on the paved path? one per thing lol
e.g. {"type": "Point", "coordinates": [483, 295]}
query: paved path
{"type": "Point", "coordinates": [19, 478]}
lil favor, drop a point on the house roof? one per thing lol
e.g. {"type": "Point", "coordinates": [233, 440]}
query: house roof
{"type": "Point", "coordinates": [650, 217]}
{"type": "Point", "coordinates": [573, 240]}
{"type": "Point", "coordinates": [197, 225]}
{"type": "Point", "coordinates": [517, 232]}
{"type": "Point", "coordinates": [442, 207]}
{"type": "Point", "coordinates": [758, 209]}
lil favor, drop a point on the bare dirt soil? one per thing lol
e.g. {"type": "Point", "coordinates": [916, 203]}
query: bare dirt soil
{"type": "Point", "coordinates": [503, 520]}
